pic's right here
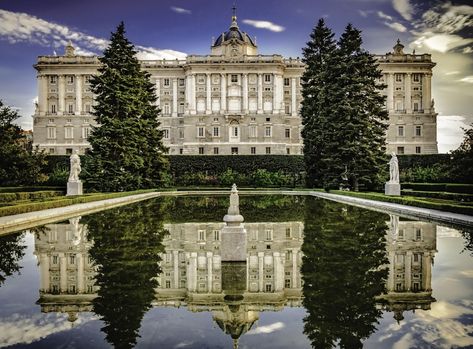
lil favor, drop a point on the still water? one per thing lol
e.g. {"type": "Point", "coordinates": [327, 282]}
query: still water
{"type": "Point", "coordinates": [318, 275]}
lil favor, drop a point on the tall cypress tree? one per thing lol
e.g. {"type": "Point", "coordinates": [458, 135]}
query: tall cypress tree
{"type": "Point", "coordinates": [316, 55]}
{"type": "Point", "coordinates": [127, 150]}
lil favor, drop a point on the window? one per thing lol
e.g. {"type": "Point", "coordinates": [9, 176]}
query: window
{"type": "Point", "coordinates": [286, 81]}
{"type": "Point", "coordinates": [252, 131]}
{"type": "Point", "coordinates": [235, 131]}
{"type": "Point", "coordinates": [416, 106]}
{"type": "Point", "coordinates": [253, 150]}
{"type": "Point", "coordinates": [268, 119]}
{"type": "Point", "coordinates": [55, 259]}
{"type": "Point", "coordinates": [87, 79]}
{"type": "Point", "coordinates": [69, 152]}
{"type": "Point", "coordinates": [268, 288]}
{"type": "Point", "coordinates": [181, 151]}
{"type": "Point", "coordinates": [181, 109]}
{"type": "Point", "coordinates": [269, 234]}
{"type": "Point", "coordinates": [216, 131]}
{"type": "Point", "coordinates": [166, 82]}
{"type": "Point", "coordinates": [288, 151]}
{"type": "Point", "coordinates": [234, 151]}
{"type": "Point", "coordinates": [50, 121]}
{"type": "Point", "coordinates": [168, 283]}
{"type": "Point", "coordinates": [53, 79]}
{"type": "Point", "coordinates": [200, 131]}
{"type": "Point", "coordinates": [418, 234]}
{"type": "Point", "coordinates": [181, 82]}
{"type": "Point", "coordinates": [200, 79]}
{"type": "Point", "coordinates": [288, 232]}
{"type": "Point", "coordinates": [51, 132]}
{"type": "Point", "coordinates": [217, 235]}
{"type": "Point", "coordinates": [69, 132]}
{"type": "Point", "coordinates": [267, 131]}
{"type": "Point", "coordinates": [400, 150]}
{"type": "Point", "coordinates": [287, 109]}
{"type": "Point", "coordinates": [51, 151]}
{"type": "Point", "coordinates": [416, 257]}
{"type": "Point", "coordinates": [287, 133]}
{"type": "Point", "coordinates": [181, 133]}
{"type": "Point", "coordinates": [72, 259]}
{"type": "Point", "coordinates": [166, 133]}
{"type": "Point", "coordinates": [288, 255]}
{"type": "Point", "coordinates": [267, 77]}
{"type": "Point", "coordinates": [70, 108]}
{"type": "Point", "coordinates": [70, 79]}
{"type": "Point", "coordinates": [416, 287]}
{"type": "Point", "coordinates": [416, 77]}
{"type": "Point", "coordinates": [201, 235]}
{"type": "Point", "coordinates": [85, 132]}
{"type": "Point", "coordinates": [53, 108]}
{"type": "Point", "coordinates": [268, 150]}
{"type": "Point", "coordinates": [400, 131]}
{"type": "Point", "coordinates": [418, 150]}
{"type": "Point", "coordinates": [201, 150]}
{"type": "Point", "coordinates": [167, 109]}
{"type": "Point", "coordinates": [418, 130]}
{"type": "Point", "coordinates": [398, 77]}
{"type": "Point", "coordinates": [267, 89]}
{"type": "Point", "coordinates": [234, 78]}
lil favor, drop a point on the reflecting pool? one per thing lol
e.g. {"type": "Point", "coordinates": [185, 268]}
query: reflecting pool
{"type": "Point", "coordinates": [318, 274]}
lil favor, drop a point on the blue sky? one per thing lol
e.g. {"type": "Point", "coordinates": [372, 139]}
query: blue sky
{"type": "Point", "coordinates": [174, 28]}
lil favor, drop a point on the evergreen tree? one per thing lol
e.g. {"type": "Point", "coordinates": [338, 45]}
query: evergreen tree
{"type": "Point", "coordinates": [462, 162]}
{"type": "Point", "coordinates": [343, 114]}
{"type": "Point", "coordinates": [18, 163]}
{"type": "Point", "coordinates": [127, 150]}
{"type": "Point", "coordinates": [316, 56]}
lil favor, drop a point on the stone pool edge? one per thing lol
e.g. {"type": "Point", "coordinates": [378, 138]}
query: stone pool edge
{"type": "Point", "coordinates": [21, 221]}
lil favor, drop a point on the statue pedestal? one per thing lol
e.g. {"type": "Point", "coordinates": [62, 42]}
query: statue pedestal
{"type": "Point", "coordinates": [392, 189]}
{"type": "Point", "coordinates": [233, 245]}
{"type": "Point", "coordinates": [74, 188]}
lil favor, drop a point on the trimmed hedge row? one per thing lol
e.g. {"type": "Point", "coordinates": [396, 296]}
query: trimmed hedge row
{"type": "Point", "coordinates": [37, 206]}
{"type": "Point", "coordinates": [35, 195]}
{"type": "Point", "coordinates": [440, 187]}
{"type": "Point", "coordinates": [410, 201]}
{"type": "Point", "coordinates": [440, 195]}
{"type": "Point", "coordinates": [30, 189]}
{"type": "Point", "coordinates": [423, 160]}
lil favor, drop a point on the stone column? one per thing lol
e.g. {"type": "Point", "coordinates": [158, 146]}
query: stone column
{"type": "Point", "coordinates": [192, 272]}
{"type": "Point", "coordinates": [80, 273]}
{"type": "Point", "coordinates": [62, 273]}
{"type": "Point", "coordinates": [209, 272]}
{"type": "Point", "coordinates": [174, 97]}
{"type": "Point", "coordinates": [245, 93]}
{"type": "Point", "coordinates": [157, 86]}
{"type": "Point", "coordinates": [188, 94]}
{"type": "Point", "coordinates": [208, 106]}
{"type": "Point", "coordinates": [44, 272]}
{"type": "Point", "coordinates": [278, 272]}
{"type": "Point", "coordinates": [260, 271]}
{"type": "Point", "coordinates": [407, 93]}
{"type": "Point", "coordinates": [427, 271]}
{"type": "Point", "coordinates": [78, 80]}
{"type": "Point", "coordinates": [223, 93]}
{"type": "Point", "coordinates": [175, 266]}
{"type": "Point", "coordinates": [390, 97]}
{"type": "Point", "coordinates": [392, 256]}
{"type": "Point", "coordinates": [295, 269]}
{"type": "Point", "coordinates": [42, 94]}
{"type": "Point", "coordinates": [193, 94]}
{"type": "Point", "coordinates": [260, 93]}
{"type": "Point", "coordinates": [61, 87]}
{"type": "Point", "coordinates": [408, 270]}
{"type": "Point", "coordinates": [277, 100]}
{"type": "Point", "coordinates": [427, 93]}
{"type": "Point", "coordinates": [293, 97]}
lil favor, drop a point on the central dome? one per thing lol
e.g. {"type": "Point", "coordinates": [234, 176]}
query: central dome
{"type": "Point", "coordinates": [234, 33]}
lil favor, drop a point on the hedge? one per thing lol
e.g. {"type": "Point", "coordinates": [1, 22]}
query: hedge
{"type": "Point", "coordinates": [410, 201]}
{"type": "Point", "coordinates": [422, 160]}
{"type": "Point", "coordinates": [36, 195]}
{"type": "Point", "coordinates": [30, 189]}
{"type": "Point", "coordinates": [37, 206]}
{"type": "Point", "coordinates": [440, 187]}
{"type": "Point", "coordinates": [439, 195]}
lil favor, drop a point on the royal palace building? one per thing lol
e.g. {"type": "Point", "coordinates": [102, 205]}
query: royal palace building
{"type": "Point", "coordinates": [232, 101]}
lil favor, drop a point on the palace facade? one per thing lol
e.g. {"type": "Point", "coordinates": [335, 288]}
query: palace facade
{"type": "Point", "coordinates": [232, 101]}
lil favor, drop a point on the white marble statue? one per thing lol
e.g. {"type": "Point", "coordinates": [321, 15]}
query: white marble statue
{"type": "Point", "coordinates": [75, 167]}
{"type": "Point", "coordinates": [393, 169]}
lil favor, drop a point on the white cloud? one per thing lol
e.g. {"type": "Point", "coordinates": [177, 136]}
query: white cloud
{"type": "Point", "coordinates": [21, 27]}
{"type": "Point", "coordinates": [468, 49]}
{"type": "Point", "coordinates": [405, 8]}
{"type": "Point", "coordinates": [441, 42]}
{"type": "Point", "coordinates": [455, 72]}
{"type": "Point", "coordinates": [268, 328]}
{"type": "Point", "coordinates": [396, 26]}
{"type": "Point", "coordinates": [181, 10]}
{"type": "Point", "coordinates": [384, 16]}
{"type": "Point", "coordinates": [264, 25]}
{"type": "Point", "coordinates": [468, 79]}
{"type": "Point", "coordinates": [450, 133]}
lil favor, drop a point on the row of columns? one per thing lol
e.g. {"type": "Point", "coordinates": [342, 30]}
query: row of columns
{"type": "Point", "coordinates": [45, 284]}
{"type": "Point", "coordinates": [190, 94]}
{"type": "Point", "coordinates": [426, 271]}
{"type": "Point", "coordinates": [426, 92]}
{"type": "Point", "coordinates": [43, 92]}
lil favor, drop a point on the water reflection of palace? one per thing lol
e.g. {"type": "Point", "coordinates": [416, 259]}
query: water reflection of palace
{"type": "Point", "coordinates": [193, 274]}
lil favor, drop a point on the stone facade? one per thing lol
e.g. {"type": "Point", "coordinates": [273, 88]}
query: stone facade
{"type": "Point", "coordinates": [233, 101]}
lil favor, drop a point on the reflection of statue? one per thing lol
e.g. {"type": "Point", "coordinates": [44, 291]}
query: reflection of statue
{"type": "Point", "coordinates": [77, 230]}
{"type": "Point", "coordinates": [393, 169]}
{"type": "Point", "coordinates": [75, 167]}
{"type": "Point", "coordinates": [394, 225]}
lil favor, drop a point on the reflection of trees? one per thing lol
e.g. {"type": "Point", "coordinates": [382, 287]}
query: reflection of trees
{"type": "Point", "coordinates": [468, 240]}
{"type": "Point", "coordinates": [126, 246]}
{"type": "Point", "coordinates": [12, 251]}
{"type": "Point", "coordinates": [342, 270]}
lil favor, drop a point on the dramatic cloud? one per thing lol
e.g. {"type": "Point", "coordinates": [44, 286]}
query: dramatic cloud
{"type": "Point", "coordinates": [181, 10]}
{"type": "Point", "coordinates": [384, 16]}
{"type": "Point", "coordinates": [264, 25]}
{"type": "Point", "coordinates": [405, 8]}
{"type": "Point", "coordinates": [268, 328]}
{"type": "Point", "coordinates": [21, 27]}
{"type": "Point", "coordinates": [396, 26]}
{"type": "Point", "coordinates": [450, 133]}
{"type": "Point", "coordinates": [468, 79]}
{"type": "Point", "coordinates": [440, 42]}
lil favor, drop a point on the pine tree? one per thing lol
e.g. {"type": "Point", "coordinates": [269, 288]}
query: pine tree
{"type": "Point", "coordinates": [462, 158]}
{"type": "Point", "coordinates": [127, 150]}
{"type": "Point", "coordinates": [316, 56]}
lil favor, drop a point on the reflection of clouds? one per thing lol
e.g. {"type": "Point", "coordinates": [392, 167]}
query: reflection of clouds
{"type": "Point", "coordinates": [268, 328]}
{"type": "Point", "coordinates": [25, 329]}
{"type": "Point", "coordinates": [446, 232]}
{"type": "Point", "coordinates": [183, 344]}
{"type": "Point", "coordinates": [440, 327]}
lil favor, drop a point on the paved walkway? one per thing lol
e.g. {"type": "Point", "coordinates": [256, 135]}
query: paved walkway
{"type": "Point", "coordinates": [27, 220]}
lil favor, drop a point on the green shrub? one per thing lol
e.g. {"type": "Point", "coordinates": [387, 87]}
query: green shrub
{"type": "Point", "coordinates": [440, 187]}
{"type": "Point", "coordinates": [440, 195]}
{"type": "Point", "coordinates": [8, 197]}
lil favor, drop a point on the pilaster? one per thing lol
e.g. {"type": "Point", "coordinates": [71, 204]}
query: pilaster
{"type": "Point", "coordinates": [208, 106]}
{"type": "Point", "coordinates": [174, 97]}
{"type": "Point", "coordinates": [61, 93]}
{"type": "Point", "coordinates": [245, 93]}
{"type": "Point", "coordinates": [223, 93]}
{"type": "Point", "coordinates": [293, 97]}
{"type": "Point", "coordinates": [78, 80]}
{"type": "Point", "coordinates": [407, 93]}
{"type": "Point", "coordinates": [260, 93]}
